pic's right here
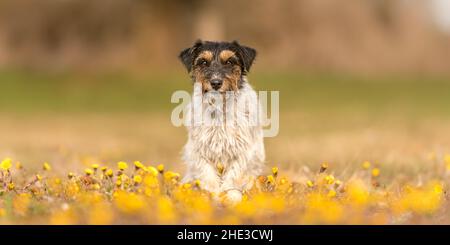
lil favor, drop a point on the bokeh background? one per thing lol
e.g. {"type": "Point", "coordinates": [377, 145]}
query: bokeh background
{"type": "Point", "coordinates": [84, 80]}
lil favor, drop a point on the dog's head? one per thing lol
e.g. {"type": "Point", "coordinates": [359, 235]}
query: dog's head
{"type": "Point", "coordinates": [218, 66]}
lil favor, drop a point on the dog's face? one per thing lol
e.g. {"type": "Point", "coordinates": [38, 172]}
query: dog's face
{"type": "Point", "coordinates": [218, 66]}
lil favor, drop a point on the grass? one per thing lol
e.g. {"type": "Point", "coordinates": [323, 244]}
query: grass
{"type": "Point", "coordinates": [398, 124]}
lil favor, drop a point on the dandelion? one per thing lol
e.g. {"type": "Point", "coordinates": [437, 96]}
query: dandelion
{"type": "Point", "coordinates": [122, 166]}
{"type": "Point", "coordinates": [6, 164]}
{"type": "Point", "coordinates": [138, 165]}
{"type": "Point", "coordinates": [11, 186]}
{"type": "Point", "coordinates": [152, 194]}
{"type": "Point", "coordinates": [275, 171]}
{"type": "Point", "coordinates": [137, 179]}
{"type": "Point", "coordinates": [96, 186]}
{"type": "Point", "coordinates": [329, 179]}
{"type": "Point", "coordinates": [375, 172]}
{"type": "Point", "coordinates": [270, 179]}
{"type": "Point", "coordinates": [118, 183]}
{"type": "Point", "coordinates": [323, 167]}
{"type": "Point", "coordinates": [38, 177]}
{"type": "Point", "coordinates": [197, 183]}
{"type": "Point", "coordinates": [109, 173]}
{"type": "Point", "coordinates": [160, 168]}
{"type": "Point", "coordinates": [366, 165]}
{"type": "Point", "coordinates": [46, 166]}
{"type": "Point", "coordinates": [88, 171]}
{"type": "Point", "coordinates": [153, 171]}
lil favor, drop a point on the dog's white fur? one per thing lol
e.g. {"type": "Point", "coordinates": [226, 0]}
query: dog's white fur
{"type": "Point", "coordinates": [238, 146]}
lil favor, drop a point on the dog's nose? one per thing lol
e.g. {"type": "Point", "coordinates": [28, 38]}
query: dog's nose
{"type": "Point", "coordinates": [216, 83]}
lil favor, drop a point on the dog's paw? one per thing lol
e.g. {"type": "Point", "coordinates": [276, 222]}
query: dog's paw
{"type": "Point", "coordinates": [232, 197]}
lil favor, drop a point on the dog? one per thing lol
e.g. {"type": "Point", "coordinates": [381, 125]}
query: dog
{"type": "Point", "coordinates": [225, 155]}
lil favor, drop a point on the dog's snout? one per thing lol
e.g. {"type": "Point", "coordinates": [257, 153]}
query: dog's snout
{"type": "Point", "coordinates": [216, 83]}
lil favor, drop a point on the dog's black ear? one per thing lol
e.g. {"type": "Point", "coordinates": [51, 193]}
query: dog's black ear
{"type": "Point", "coordinates": [246, 54]}
{"type": "Point", "coordinates": [187, 55]}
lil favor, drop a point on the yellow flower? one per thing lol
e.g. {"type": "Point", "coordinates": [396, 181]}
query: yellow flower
{"type": "Point", "coordinates": [122, 165]}
{"type": "Point", "coordinates": [89, 171]}
{"type": "Point", "coordinates": [95, 166]}
{"type": "Point", "coordinates": [270, 179]}
{"type": "Point", "coordinates": [329, 179]}
{"type": "Point", "coordinates": [70, 175]}
{"type": "Point", "coordinates": [137, 179]}
{"type": "Point", "coordinates": [366, 165]}
{"type": "Point", "coordinates": [438, 189]}
{"type": "Point", "coordinates": [19, 165]}
{"type": "Point", "coordinates": [138, 165]}
{"type": "Point", "coordinates": [118, 182]}
{"type": "Point", "coordinates": [104, 168]}
{"type": "Point", "coordinates": [275, 171]}
{"type": "Point", "coordinates": [160, 168]}
{"type": "Point", "coordinates": [323, 167]}
{"type": "Point", "coordinates": [197, 183]}
{"type": "Point", "coordinates": [6, 164]}
{"type": "Point", "coordinates": [11, 186]}
{"type": "Point", "coordinates": [109, 173]}
{"type": "Point", "coordinates": [152, 170]}
{"type": "Point", "coordinates": [375, 172]}
{"type": "Point", "coordinates": [309, 183]}
{"type": "Point", "coordinates": [46, 166]}
{"type": "Point", "coordinates": [331, 193]}
{"type": "Point", "coordinates": [38, 177]}
{"type": "Point", "coordinates": [169, 175]}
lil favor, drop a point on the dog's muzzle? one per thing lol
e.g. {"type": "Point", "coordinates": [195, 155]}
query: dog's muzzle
{"type": "Point", "coordinates": [216, 83]}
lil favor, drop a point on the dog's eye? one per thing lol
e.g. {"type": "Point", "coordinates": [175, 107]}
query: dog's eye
{"type": "Point", "coordinates": [202, 62]}
{"type": "Point", "coordinates": [229, 62]}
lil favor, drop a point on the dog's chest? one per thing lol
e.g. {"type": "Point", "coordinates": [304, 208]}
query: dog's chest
{"type": "Point", "coordinates": [225, 142]}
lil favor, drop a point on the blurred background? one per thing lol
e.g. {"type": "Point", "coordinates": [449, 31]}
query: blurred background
{"type": "Point", "coordinates": [85, 80]}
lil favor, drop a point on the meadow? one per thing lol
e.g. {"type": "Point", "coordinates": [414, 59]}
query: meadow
{"type": "Point", "coordinates": [100, 149]}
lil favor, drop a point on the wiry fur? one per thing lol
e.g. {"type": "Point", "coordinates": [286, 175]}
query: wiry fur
{"type": "Point", "coordinates": [237, 145]}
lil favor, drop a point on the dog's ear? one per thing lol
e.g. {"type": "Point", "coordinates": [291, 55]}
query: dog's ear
{"type": "Point", "coordinates": [187, 56]}
{"type": "Point", "coordinates": [246, 54]}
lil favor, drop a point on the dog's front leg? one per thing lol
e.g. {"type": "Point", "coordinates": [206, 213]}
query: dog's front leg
{"type": "Point", "coordinates": [234, 182]}
{"type": "Point", "coordinates": [207, 175]}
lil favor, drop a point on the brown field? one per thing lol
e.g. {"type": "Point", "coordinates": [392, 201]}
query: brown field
{"type": "Point", "coordinates": [403, 134]}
